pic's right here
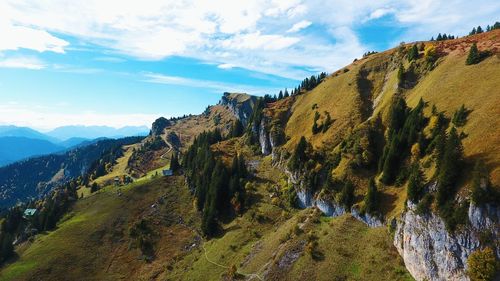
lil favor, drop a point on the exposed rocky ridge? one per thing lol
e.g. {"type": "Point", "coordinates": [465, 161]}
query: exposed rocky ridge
{"type": "Point", "coordinates": [430, 252]}
{"type": "Point", "coordinates": [332, 209]}
{"type": "Point", "coordinates": [241, 105]}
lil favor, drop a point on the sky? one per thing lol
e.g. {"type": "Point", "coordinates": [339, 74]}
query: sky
{"type": "Point", "coordinates": [121, 63]}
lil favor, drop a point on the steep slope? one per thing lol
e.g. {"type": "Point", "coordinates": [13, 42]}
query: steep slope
{"type": "Point", "coordinates": [316, 205]}
{"type": "Point", "coordinates": [93, 242]}
{"type": "Point", "coordinates": [178, 133]}
{"type": "Point", "coordinates": [37, 176]}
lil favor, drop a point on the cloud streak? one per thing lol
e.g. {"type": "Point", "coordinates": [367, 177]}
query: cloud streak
{"type": "Point", "coordinates": [218, 87]}
{"type": "Point", "coordinates": [31, 63]}
{"type": "Point", "coordinates": [278, 37]}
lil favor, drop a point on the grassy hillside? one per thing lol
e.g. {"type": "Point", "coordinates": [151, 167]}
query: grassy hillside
{"type": "Point", "coordinates": [358, 94]}
{"type": "Point", "coordinates": [149, 230]}
{"type": "Point", "coordinates": [93, 241]}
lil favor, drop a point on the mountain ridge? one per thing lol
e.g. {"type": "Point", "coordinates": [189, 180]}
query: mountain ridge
{"type": "Point", "coordinates": [340, 178]}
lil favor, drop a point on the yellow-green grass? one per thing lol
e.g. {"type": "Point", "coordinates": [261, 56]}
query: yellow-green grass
{"type": "Point", "coordinates": [451, 84]}
{"type": "Point", "coordinates": [349, 250]}
{"type": "Point", "coordinates": [120, 168]}
{"type": "Point", "coordinates": [240, 235]}
{"type": "Point", "coordinates": [92, 242]}
{"type": "Point", "coordinates": [337, 95]}
{"type": "Point", "coordinates": [188, 128]}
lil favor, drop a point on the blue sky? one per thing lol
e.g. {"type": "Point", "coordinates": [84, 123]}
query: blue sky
{"type": "Point", "coordinates": [121, 63]}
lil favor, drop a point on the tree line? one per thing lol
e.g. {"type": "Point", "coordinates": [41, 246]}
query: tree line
{"type": "Point", "coordinates": [219, 190]}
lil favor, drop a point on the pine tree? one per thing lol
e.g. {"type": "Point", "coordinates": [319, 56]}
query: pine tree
{"type": "Point", "coordinates": [473, 31]}
{"type": "Point", "coordinates": [473, 56]}
{"type": "Point", "coordinates": [415, 189]}
{"type": "Point", "coordinates": [280, 96]}
{"type": "Point", "coordinates": [237, 129]}
{"type": "Point", "coordinates": [450, 167]}
{"type": "Point", "coordinates": [174, 162]}
{"type": "Point", "coordinates": [460, 116]}
{"type": "Point", "coordinates": [413, 54]}
{"type": "Point", "coordinates": [401, 75]}
{"type": "Point", "coordinates": [389, 168]}
{"type": "Point", "coordinates": [439, 37]}
{"type": "Point", "coordinates": [286, 95]}
{"type": "Point", "coordinates": [371, 198]}
{"type": "Point", "coordinates": [346, 196]}
{"type": "Point", "coordinates": [299, 156]}
{"type": "Point", "coordinates": [315, 127]}
{"type": "Point", "coordinates": [479, 30]}
{"type": "Point", "coordinates": [482, 191]}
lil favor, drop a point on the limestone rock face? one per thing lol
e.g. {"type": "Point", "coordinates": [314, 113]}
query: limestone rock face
{"type": "Point", "coordinates": [368, 219]}
{"type": "Point", "coordinates": [241, 105]}
{"type": "Point", "coordinates": [430, 252]}
{"type": "Point", "coordinates": [264, 138]}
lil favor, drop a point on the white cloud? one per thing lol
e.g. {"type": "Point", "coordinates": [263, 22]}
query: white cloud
{"type": "Point", "coordinates": [225, 66]}
{"type": "Point", "coordinates": [299, 26]}
{"type": "Point", "coordinates": [22, 62]}
{"type": "Point", "coordinates": [49, 118]}
{"type": "Point", "coordinates": [256, 40]}
{"type": "Point", "coordinates": [378, 13]}
{"type": "Point", "coordinates": [15, 37]}
{"type": "Point", "coordinates": [206, 84]}
{"type": "Point", "coordinates": [250, 34]}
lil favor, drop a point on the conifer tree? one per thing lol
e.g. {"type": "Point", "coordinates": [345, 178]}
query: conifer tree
{"type": "Point", "coordinates": [413, 54]}
{"type": "Point", "coordinates": [286, 95]}
{"type": "Point", "coordinates": [237, 129]}
{"type": "Point", "coordinates": [346, 196]}
{"type": "Point", "coordinates": [371, 197]}
{"type": "Point", "coordinates": [479, 30]}
{"type": "Point", "coordinates": [482, 192]}
{"type": "Point", "coordinates": [415, 187]}
{"type": "Point", "coordinates": [450, 167]}
{"type": "Point", "coordinates": [401, 75]}
{"type": "Point", "coordinates": [299, 156]}
{"type": "Point", "coordinates": [473, 56]}
{"type": "Point", "coordinates": [316, 128]}
{"type": "Point", "coordinates": [174, 162]}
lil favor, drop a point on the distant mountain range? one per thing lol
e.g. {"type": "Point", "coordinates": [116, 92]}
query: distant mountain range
{"type": "Point", "coordinates": [17, 143]}
{"type": "Point", "coordinates": [13, 149]}
{"type": "Point", "coordinates": [92, 132]}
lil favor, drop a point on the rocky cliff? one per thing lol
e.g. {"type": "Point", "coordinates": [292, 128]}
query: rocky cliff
{"type": "Point", "coordinates": [430, 252]}
{"type": "Point", "coordinates": [241, 105]}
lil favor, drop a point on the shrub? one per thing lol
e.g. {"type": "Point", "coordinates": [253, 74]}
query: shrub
{"type": "Point", "coordinates": [482, 265]}
{"type": "Point", "coordinates": [430, 54]}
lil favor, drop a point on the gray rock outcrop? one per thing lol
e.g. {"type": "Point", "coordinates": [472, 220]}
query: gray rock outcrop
{"type": "Point", "coordinates": [430, 252]}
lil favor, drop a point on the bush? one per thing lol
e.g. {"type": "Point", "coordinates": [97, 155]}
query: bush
{"type": "Point", "coordinates": [430, 54]}
{"type": "Point", "coordinates": [482, 265]}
